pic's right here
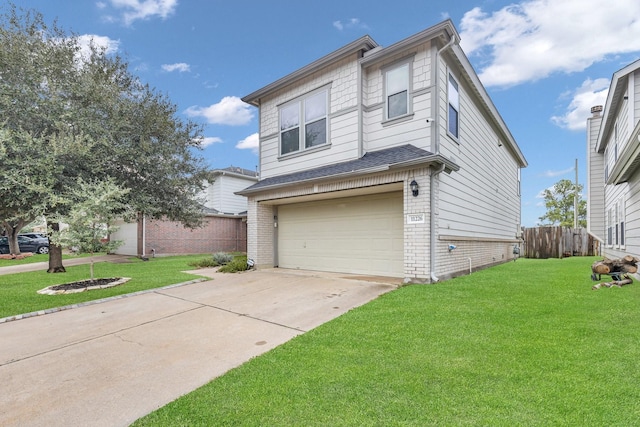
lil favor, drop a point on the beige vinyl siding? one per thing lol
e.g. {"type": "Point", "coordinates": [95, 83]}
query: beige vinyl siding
{"type": "Point", "coordinates": [481, 199]}
{"type": "Point", "coordinates": [415, 130]}
{"type": "Point", "coordinates": [343, 134]}
{"type": "Point", "coordinates": [635, 97]}
{"type": "Point", "coordinates": [624, 124]}
{"type": "Point", "coordinates": [361, 235]}
{"type": "Point", "coordinates": [595, 181]}
{"type": "Point", "coordinates": [632, 225]}
{"type": "Point", "coordinates": [341, 79]}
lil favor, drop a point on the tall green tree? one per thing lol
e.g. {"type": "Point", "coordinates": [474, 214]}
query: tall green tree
{"type": "Point", "coordinates": [560, 204]}
{"type": "Point", "coordinates": [68, 116]}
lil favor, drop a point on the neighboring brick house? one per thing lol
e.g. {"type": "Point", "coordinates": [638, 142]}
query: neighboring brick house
{"type": "Point", "coordinates": [384, 161]}
{"type": "Point", "coordinates": [613, 162]}
{"type": "Point", "coordinates": [224, 229]}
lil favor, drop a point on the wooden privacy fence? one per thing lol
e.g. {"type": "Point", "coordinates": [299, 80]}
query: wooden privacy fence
{"type": "Point", "coordinates": [558, 242]}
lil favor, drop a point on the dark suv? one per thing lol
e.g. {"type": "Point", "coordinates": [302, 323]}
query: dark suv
{"type": "Point", "coordinates": [27, 244]}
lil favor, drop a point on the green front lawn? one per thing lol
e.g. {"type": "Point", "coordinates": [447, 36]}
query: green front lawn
{"type": "Point", "coordinates": [18, 292]}
{"type": "Point", "coordinates": [38, 258]}
{"type": "Point", "coordinates": [526, 343]}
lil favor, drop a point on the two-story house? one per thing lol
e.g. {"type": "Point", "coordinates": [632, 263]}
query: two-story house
{"type": "Point", "coordinates": [224, 226]}
{"type": "Point", "coordinates": [388, 161]}
{"type": "Point", "coordinates": [613, 163]}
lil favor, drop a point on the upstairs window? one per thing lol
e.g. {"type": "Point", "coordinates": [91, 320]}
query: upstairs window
{"type": "Point", "coordinates": [621, 220]}
{"type": "Point", "coordinates": [396, 83]}
{"type": "Point", "coordinates": [608, 226]}
{"type": "Point", "coordinates": [453, 96]}
{"type": "Point", "coordinates": [303, 123]}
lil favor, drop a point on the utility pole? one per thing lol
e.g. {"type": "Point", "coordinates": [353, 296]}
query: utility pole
{"type": "Point", "coordinates": [575, 199]}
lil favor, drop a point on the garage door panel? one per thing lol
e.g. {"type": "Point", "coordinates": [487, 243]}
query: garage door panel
{"type": "Point", "coordinates": [361, 235]}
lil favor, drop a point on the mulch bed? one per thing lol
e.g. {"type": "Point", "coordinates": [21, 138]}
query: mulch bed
{"type": "Point", "coordinates": [84, 285]}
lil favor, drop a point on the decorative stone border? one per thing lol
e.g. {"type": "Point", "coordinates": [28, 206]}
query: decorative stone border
{"type": "Point", "coordinates": [49, 291]}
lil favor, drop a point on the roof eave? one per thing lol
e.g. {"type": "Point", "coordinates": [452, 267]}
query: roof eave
{"type": "Point", "coordinates": [617, 87]}
{"type": "Point", "coordinates": [436, 159]}
{"type": "Point", "coordinates": [364, 43]}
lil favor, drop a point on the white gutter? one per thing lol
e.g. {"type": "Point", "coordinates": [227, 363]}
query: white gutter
{"type": "Point", "coordinates": [435, 173]}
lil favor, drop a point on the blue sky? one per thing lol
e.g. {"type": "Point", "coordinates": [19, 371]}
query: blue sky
{"type": "Point", "coordinates": [545, 63]}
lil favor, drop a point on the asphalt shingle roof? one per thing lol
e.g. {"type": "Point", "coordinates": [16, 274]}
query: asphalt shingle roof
{"type": "Point", "coordinates": [373, 159]}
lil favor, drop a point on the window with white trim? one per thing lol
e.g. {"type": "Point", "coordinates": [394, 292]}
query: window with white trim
{"type": "Point", "coordinates": [397, 86]}
{"type": "Point", "coordinates": [303, 123]}
{"type": "Point", "coordinates": [621, 220]}
{"type": "Point", "coordinates": [608, 226]}
{"type": "Point", "coordinates": [616, 215]}
{"type": "Point", "coordinates": [453, 118]}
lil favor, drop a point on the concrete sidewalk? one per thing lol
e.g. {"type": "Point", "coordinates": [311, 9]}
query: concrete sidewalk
{"type": "Point", "coordinates": [110, 363]}
{"type": "Point", "coordinates": [43, 266]}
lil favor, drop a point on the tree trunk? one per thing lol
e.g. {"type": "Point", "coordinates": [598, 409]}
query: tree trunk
{"type": "Point", "coordinates": [619, 283]}
{"type": "Point", "coordinates": [55, 254]}
{"type": "Point", "coordinates": [628, 264]}
{"type": "Point", "coordinates": [12, 235]}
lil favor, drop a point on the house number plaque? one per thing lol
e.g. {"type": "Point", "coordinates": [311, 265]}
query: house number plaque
{"type": "Point", "coordinates": [416, 218]}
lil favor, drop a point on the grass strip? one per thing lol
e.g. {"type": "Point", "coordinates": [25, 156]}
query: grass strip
{"type": "Point", "coordinates": [18, 292]}
{"type": "Point", "coordinates": [520, 344]}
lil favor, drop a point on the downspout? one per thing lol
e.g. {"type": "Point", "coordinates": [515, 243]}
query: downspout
{"type": "Point", "coordinates": [435, 173]}
{"type": "Point", "coordinates": [360, 110]}
{"type": "Point", "coordinates": [432, 221]}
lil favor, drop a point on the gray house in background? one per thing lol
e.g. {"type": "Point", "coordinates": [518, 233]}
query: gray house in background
{"type": "Point", "coordinates": [388, 161]}
{"type": "Point", "coordinates": [613, 163]}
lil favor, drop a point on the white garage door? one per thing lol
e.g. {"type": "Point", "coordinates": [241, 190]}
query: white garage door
{"type": "Point", "coordinates": [362, 235]}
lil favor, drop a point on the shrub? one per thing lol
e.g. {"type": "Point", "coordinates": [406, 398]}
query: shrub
{"type": "Point", "coordinates": [222, 258]}
{"type": "Point", "coordinates": [239, 263]}
{"type": "Point", "coordinates": [204, 263]}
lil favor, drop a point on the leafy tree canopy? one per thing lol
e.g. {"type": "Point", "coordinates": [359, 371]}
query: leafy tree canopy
{"type": "Point", "coordinates": [69, 116]}
{"type": "Point", "coordinates": [560, 204]}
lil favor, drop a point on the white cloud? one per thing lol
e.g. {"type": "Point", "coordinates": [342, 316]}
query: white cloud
{"type": "Point", "coordinates": [229, 111]}
{"type": "Point", "coordinates": [252, 142]}
{"type": "Point", "coordinates": [589, 94]}
{"type": "Point", "coordinates": [133, 10]}
{"type": "Point", "coordinates": [179, 66]}
{"type": "Point", "coordinates": [351, 23]}
{"type": "Point", "coordinates": [85, 42]}
{"type": "Point", "coordinates": [536, 38]}
{"type": "Point", "coordinates": [551, 173]}
{"type": "Point", "coordinates": [210, 140]}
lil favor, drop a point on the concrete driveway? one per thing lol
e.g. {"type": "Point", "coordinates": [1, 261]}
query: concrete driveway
{"type": "Point", "coordinates": [108, 364]}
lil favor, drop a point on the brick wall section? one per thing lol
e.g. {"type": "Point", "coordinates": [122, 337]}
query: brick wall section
{"type": "Point", "coordinates": [260, 228]}
{"type": "Point", "coordinates": [478, 254]}
{"type": "Point", "coordinates": [416, 236]}
{"type": "Point", "coordinates": [219, 234]}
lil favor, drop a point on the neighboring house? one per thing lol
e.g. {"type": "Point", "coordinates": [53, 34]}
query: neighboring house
{"type": "Point", "coordinates": [384, 161]}
{"type": "Point", "coordinates": [224, 229]}
{"type": "Point", "coordinates": [613, 162]}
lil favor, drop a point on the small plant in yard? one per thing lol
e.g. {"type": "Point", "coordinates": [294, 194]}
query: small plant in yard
{"type": "Point", "coordinates": [222, 258]}
{"type": "Point", "coordinates": [239, 263]}
{"type": "Point", "coordinates": [218, 259]}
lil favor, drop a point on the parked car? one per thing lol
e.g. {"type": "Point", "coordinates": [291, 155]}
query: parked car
{"type": "Point", "coordinates": [35, 236]}
{"type": "Point", "coordinates": [26, 244]}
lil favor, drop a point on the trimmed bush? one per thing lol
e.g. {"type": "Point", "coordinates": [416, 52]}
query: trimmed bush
{"type": "Point", "coordinates": [239, 263]}
{"type": "Point", "coordinates": [222, 258]}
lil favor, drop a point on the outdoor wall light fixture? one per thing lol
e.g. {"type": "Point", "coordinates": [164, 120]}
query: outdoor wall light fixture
{"type": "Point", "coordinates": [414, 188]}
